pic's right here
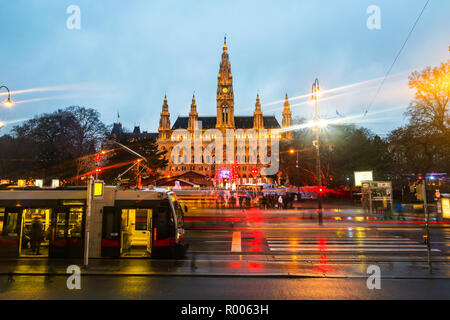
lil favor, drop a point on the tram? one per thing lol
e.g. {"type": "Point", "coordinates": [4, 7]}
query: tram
{"type": "Point", "coordinates": [51, 223]}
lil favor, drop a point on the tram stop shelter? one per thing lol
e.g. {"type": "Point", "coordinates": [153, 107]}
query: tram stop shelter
{"type": "Point", "coordinates": [443, 207]}
{"type": "Point", "coordinates": [377, 197]}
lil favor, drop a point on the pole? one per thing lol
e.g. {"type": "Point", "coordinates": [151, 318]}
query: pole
{"type": "Point", "coordinates": [88, 220]}
{"type": "Point", "coordinates": [139, 183]}
{"type": "Point", "coordinates": [427, 226]}
{"type": "Point", "coordinates": [319, 176]}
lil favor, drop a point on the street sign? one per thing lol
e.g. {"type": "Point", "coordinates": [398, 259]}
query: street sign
{"type": "Point", "coordinates": [446, 208]}
{"type": "Point", "coordinates": [437, 194]}
{"type": "Point", "coordinates": [98, 189]}
{"type": "Point", "coordinates": [363, 176]}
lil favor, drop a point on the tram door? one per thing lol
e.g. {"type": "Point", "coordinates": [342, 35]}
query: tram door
{"type": "Point", "coordinates": [10, 224]}
{"type": "Point", "coordinates": [66, 233]}
{"type": "Point", "coordinates": [35, 232]}
{"type": "Point", "coordinates": [136, 230]}
{"type": "Point", "coordinates": [111, 232]}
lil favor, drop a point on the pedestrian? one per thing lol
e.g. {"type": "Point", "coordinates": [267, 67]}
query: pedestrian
{"type": "Point", "coordinates": [36, 235]}
{"type": "Point", "coordinates": [280, 202]}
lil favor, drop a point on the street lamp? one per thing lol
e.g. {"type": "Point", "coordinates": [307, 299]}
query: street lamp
{"type": "Point", "coordinates": [315, 93]}
{"type": "Point", "coordinates": [292, 151]}
{"type": "Point", "coordinates": [7, 103]}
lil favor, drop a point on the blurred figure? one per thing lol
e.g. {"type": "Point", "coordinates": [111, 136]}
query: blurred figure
{"type": "Point", "coordinates": [280, 202]}
{"type": "Point", "coordinates": [36, 235]}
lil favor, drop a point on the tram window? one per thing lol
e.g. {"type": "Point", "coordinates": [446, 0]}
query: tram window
{"type": "Point", "coordinates": [11, 222]}
{"type": "Point", "coordinates": [179, 213]}
{"type": "Point", "coordinates": [60, 225]}
{"type": "Point", "coordinates": [141, 219]}
{"type": "Point", "coordinates": [75, 219]}
{"type": "Point", "coordinates": [109, 224]}
{"type": "Point", "coordinates": [2, 216]}
{"type": "Point", "coordinates": [162, 223]}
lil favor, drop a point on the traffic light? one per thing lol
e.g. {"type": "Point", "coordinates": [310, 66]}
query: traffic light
{"type": "Point", "coordinates": [322, 190]}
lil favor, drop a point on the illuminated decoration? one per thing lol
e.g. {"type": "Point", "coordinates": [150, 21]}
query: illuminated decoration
{"type": "Point", "coordinates": [21, 183]}
{"type": "Point", "coordinates": [224, 174]}
{"type": "Point", "coordinates": [363, 176]}
{"type": "Point", "coordinates": [39, 183]}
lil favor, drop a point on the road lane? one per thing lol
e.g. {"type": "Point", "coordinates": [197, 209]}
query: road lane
{"type": "Point", "coordinates": [209, 288]}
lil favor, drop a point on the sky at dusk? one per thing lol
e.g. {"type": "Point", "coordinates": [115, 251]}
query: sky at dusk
{"type": "Point", "coordinates": [128, 54]}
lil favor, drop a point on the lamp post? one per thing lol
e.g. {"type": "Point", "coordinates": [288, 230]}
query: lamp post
{"type": "Point", "coordinates": [292, 151]}
{"type": "Point", "coordinates": [315, 90]}
{"type": "Point", "coordinates": [7, 103]}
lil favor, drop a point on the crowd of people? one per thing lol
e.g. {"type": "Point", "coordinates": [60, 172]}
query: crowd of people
{"type": "Point", "coordinates": [254, 199]}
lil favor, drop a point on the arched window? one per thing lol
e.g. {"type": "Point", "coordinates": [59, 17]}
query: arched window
{"type": "Point", "coordinates": [225, 113]}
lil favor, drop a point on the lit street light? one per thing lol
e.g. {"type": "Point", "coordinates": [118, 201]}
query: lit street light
{"type": "Point", "coordinates": [7, 103]}
{"type": "Point", "coordinates": [292, 151]}
{"type": "Point", "coordinates": [315, 94]}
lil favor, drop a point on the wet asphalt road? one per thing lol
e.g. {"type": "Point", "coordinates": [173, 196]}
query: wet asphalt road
{"type": "Point", "coordinates": [205, 288]}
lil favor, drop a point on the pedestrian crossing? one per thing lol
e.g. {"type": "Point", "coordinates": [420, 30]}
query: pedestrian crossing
{"type": "Point", "coordinates": [319, 245]}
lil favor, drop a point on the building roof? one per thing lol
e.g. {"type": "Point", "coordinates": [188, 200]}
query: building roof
{"type": "Point", "coordinates": [241, 122]}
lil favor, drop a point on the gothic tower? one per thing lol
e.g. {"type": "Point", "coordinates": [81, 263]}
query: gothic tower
{"type": "Point", "coordinates": [258, 122]}
{"type": "Point", "coordinates": [225, 96]}
{"type": "Point", "coordinates": [193, 115]}
{"type": "Point", "coordinates": [287, 118]}
{"type": "Point", "coordinates": [164, 122]}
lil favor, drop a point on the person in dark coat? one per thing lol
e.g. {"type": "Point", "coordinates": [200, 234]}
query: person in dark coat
{"type": "Point", "coordinates": [36, 235]}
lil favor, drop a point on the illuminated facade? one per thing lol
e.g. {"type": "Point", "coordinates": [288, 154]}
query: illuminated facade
{"type": "Point", "coordinates": [244, 170]}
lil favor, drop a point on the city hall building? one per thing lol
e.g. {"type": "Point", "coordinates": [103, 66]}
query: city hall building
{"type": "Point", "coordinates": [244, 170]}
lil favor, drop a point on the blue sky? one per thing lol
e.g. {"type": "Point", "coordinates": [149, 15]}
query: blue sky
{"type": "Point", "coordinates": [127, 54]}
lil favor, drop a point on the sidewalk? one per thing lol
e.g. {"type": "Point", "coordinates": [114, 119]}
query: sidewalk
{"type": "Point", "coordinates": [223, 268]}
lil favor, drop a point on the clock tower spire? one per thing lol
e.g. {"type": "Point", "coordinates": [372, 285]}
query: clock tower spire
{"type": "Point", "coordinates": [225, 96]}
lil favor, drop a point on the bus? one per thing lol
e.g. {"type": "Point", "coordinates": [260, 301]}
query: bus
{"type": "Point", "coordinates": [51, 223]}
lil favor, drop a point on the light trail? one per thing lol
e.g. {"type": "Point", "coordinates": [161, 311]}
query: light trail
{"type": "Point", "coordinates": [47, 98]}
{"type": "Point", "coordinates": [72, 87]}
{"type": "Point", "coordinates": [344, 120]}
{"type": "Point", "coordinates": [121, 164]}
{"type": "Point", "coordinates": [341, 88]}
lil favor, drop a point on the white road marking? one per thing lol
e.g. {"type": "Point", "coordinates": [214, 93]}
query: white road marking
{"type": "Point", "coordinates": [236, 242]}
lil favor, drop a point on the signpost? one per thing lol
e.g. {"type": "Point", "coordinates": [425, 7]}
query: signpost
{"type": "Point", "coordinates": [427, 227]}
{"type": "Point", "coordinates": [90, 185]}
